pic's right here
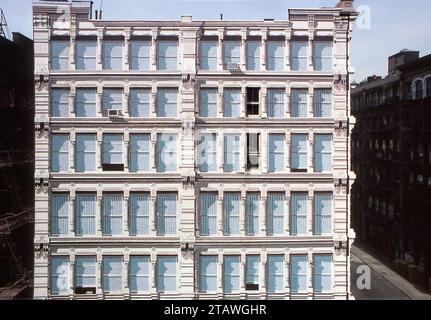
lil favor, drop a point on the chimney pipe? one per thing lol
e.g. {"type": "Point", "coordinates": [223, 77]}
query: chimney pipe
{"type": "Point", "coordinates": [100, 15]}
{"type": "Point", "coordinates": [221, 16]}
{"type": "Point", "coordinates": [96, 14]}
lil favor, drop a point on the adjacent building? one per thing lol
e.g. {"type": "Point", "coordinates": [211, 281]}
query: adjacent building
{"type": "Point", "coordinates": [16, 163]}
{"type": "Point", "coordinates": [192, 159]}
{"type": "Point", "coordinates": [392, 161]}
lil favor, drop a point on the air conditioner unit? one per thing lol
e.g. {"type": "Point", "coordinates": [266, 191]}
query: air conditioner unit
{"type": "Point", "coordinates": [233, 66]}
{"type": "Point", "coordinates": [115, 113]}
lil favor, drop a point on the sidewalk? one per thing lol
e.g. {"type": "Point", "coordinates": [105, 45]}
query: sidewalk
{"type": "Point", "coordinates": [388, 274]}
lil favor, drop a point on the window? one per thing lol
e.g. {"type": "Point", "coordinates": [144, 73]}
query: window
{"type": "Point", "coordinates": [167, 103]}
{"type": "Point", "coordinates": [139, 105]}
{"type": "Point", "coordinates": [231, 210]}
{"type": "Point", "coordinates": [209, 55]}
{"type": "Point", "coordinates": [275, 213]}
{"type": "Point", "coordinates": [252, 213]}
{"type": "Point", "coordinates": [323, 213]}
{"type": "Point", "coordinates": [299, 152]}
{"type": "Point", "coordinates": [275, 55]}
{"type": "Point", "coordinates": [275, 273]}
{"type": "Point", "coordinates": [232, 103]}
{"type": "Point", "coordinates": [112, 274]}
{"type": "Point", "coordinates": [208, 280]}
{"type": "Point", "coordinates": [298, 273]}
{"type": "Point", "coordinates": [166, 214]}
{"type": "Point", "coordinates": [139, 152]}
{"type": "Point", "coordinates": [167, 55]}
{"type": "Point", "coordinates": [140, 55]}
{"type": "Point", "coordinates": [139, 274]}
{"type": "Point", "coordinates": [253, 153]}
{"type": "Point", "coordinates": [322, 273]}
{"type": "Point", "coordinates": [299, 56]}
{"type": "Point", "coordinates": [232, 52]}
{"type": "Point", "coordinates": [419, 89]}
{"type": "Point", "coordinates": [253, 55]}
{"type": "Point", "coordinates": [85, 152]}
{"type": "Point", "coordinates": [231, 152]}
{"type": "Point", "coordinates": [428, 87]}
{"type": "Point", "coordinates": [208, 210]}
{"type": "Point", "coordinates": [85, 275]}
{"type": "Point", "coordinates": [59, 55]}
{"type": "Point", "coordinates": [139, 214]}
{"type": "Point", "coordinates": [208, 103]}
{"type": "Point", "coordinates": [86, 55]}
{"type": "Point", "coordinates": [113, 55]}
{"type": "Point", "coordinates": [208, 152]}
{"type": "Point", "coordinates": [85, 213]}
{"type": "Point", "coordinates": [298, 211]}
{"type": "Point", "coordinates": [252, 273]}
{"type": "Point", "coordinates": [231, 273]}
{"type": "Point", "coordinates": [60, 275]}
{"type": "Point", "coordinates": [323, 153]}
{"type": "Point", "coordinates": [299, 103]}
{"type": "Point", "coordinates": [59, 152]}
{"type": "Point", "coordinates": [322, 103]}
{"type": "Point", "coordinates": [59, 214]}
{"type": "Point", "coordinates": [60, 103]}
{"type": "Point", "coordinates": [276, 152]}
{"type": "Point", "coordinates": [112, 152]}
{"type": "Point", "coordinates": [166, 152]}
{"type": "Point", "coordinates": [86, 103]}
{"type": "Point", "coordinates": [113, 99]}
{"type": "Point", "coordinates": [112, 214]}
{"type": "Point", "coordinates": [166, 274]}
{"type": "Point", "coordinates": [323, 55]}
{"type": "Point", "coordinates": [275, 103]}
{"type": "Point", "coordinates": [253, 101]}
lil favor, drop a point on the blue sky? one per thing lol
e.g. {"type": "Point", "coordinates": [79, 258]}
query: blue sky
{"type": "Point", "coordinates": [395, 25]}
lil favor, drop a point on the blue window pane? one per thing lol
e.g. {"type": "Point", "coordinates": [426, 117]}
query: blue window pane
{"type": "Point", "coordinates": [322, 153]}
{"type": "Point", "coordinates": [166, 274]}
{"type": "Point", "coordinates": [167, 55]}
{"type": "Point", "coordinates": [86, 152]}
{"type": "Point", "coordinates": [60, 275]}
{"type": "Point", "coordinates": [252, 213]}
{"type": "Point", "coordinates": [86, 52]}
{"type": "Point", "coordinates": [85, 272]}
{"type": "Point", "coordinates": [60, 55]}
{"type": "Point", "coordinates": [299, 56]}
{"type": "Point", "coordinates": [208, 103]}
{"type": "Point", "coordinates": [231, 272]}
{"type": "Point", "coordinates": [209, 55]}
{"type": "Point", "coordinates": [323, 208]}
{"type": "Point", "coordinates": [299, 214]}
{"type": "Point", "coordinates": [112, 274]}
{"type": "Point", "coordinates": [208, 209]}
{"type": "Point", "coordinates": [253, 55]}
{"type": "Point", "coordinates": [59, 214]}
{"type": "Point", "coordinates": [85, 102]}
{"type": "Point", "coordinates": [139, 104]}
{"type": "Point", "coordinates": [275, 213]}
{"type": "Point", "coordinates": [231, 208]}
{"type": "Point", "coordinates": [140, 55]}
{"type": "Point", "coordinates": [231, 153]}
{"type": "Point", "coordinates": [167, 214]}
{"type": "Point", "coordinates": [276, 153]}
{"type": "Point", "coordinates": [298, 273]}
{"type": "Point", "coordinates": [167, 100]}
{"type": "Point", "coordinates": [207, 148]}
{"type": "Point", "coordinates": [85, 214]}
{"type": "Point", "coordinates": [139, 274]}
{"type": "Point", "coordinates": [113, 55]}
{"type": "Point", "coordinates": [139, 214]}
{"type": "Point", "coordinates": [112, 214]}
{"type": "Point", "coordinates": [208, 272]}
{"type": "Point", "coordinates": [299, 153]}
{"type": "Point", "coordinates": [59, 153]}
{"type": "Point", "coordinates": [275, 273]}
{"type": "Point", "coordinates": [60, 103]}
{"type": "Point", "coordinates": [275, 56]}
{"type": "Point", "coordinates": [166, 152]}
{"type": "Point", "coordinates": [232, 103]}
{"type": "Point", "coordinates": [139, 152]}
{"type": "Point", "coordinates": [323, 273]}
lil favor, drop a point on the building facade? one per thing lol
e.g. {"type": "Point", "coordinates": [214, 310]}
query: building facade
{"type": "Point", "coordinates": [16, 164]}
{"type": "Point", "coordinates": [391, 158]}
{"type": "Point", "coordinates": [192, 159]}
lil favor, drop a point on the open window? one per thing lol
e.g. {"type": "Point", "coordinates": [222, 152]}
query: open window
{"type": "Point", "coordinates": [253, 101]}
{"type": "Point", "coordinates": [253, 153]}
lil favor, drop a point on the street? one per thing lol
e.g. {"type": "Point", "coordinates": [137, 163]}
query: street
{"type": "Point", "coordinates": [381, 289]}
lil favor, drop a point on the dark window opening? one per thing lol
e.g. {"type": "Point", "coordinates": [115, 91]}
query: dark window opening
{"type": "Point", "coordinates": [253, 101]}
{"type": "Point", "coordinates": [85, 290]}
{"type": "Point", "coordinates": [251, 287]}
{"type": "Point", "coordinates": [112, 167]}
